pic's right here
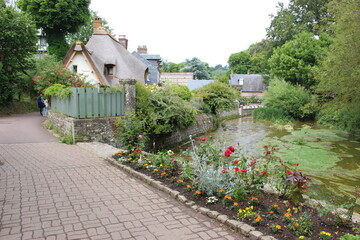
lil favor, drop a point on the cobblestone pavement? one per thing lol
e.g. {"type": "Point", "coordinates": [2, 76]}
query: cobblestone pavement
{"type": "Point", "coordinates": [57, 191]}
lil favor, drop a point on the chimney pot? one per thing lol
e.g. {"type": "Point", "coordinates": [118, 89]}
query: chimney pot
{"type": "Point", "coordinates": [142, 49]}
{"type": "Point", "coordinates": [123, 41]}
{"type": "Point", "coordinates": [97, 25]}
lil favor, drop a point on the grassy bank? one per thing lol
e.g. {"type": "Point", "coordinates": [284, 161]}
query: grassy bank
{"type": "Point", "coordinates": [26, 105]}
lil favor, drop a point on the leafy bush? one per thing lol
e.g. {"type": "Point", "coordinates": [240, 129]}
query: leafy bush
{"type": "Point", "coordinates": [218, 96]}
{"type": "Point", "coordinates": [131, 133]}
{"type": "Point", "coordinates": [350, 237]}
{"type": "Point", "coordinates": [57, 90]}
{"type": "Point", "coordinates": [287, 97]}
{"type": "Point", "coordinates": [181, 91]}
{"type": "Point", "coordinates": [58, 75]}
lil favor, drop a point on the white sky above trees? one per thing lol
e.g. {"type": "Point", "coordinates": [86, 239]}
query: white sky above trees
{"type": "Point", "coordinates": [210, 30]}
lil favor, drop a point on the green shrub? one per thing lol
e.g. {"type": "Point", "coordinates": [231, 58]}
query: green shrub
{"type": "Point", "coordinates": [350, 237]}
{"type": "Point", "coordinates": [287, 97]}
{"type": "Point", "coordinates": [271, 114]}
{"type": "Point", "coordinates": [130, 128]}
{"type": "Point", "coordinates": [57, 90]}
{"type": "Point", "coordinates": [181, 91]}
{"type": "Point", "coordinates": [218, 96]}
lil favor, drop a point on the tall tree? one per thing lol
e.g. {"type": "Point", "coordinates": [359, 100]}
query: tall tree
{"type": "Point", "coordinates": [339, 72]}
{"type": "Point", "coordinates": [299, 16]}
{"type": "Point", "coordinates": [171, 67]}
{"type": "Point", "coordinates": [240, 62]}
{"type": "Point", "coordinates": [17, 45]}
{"type": "Point", "coordinates": [294, 61]}
{"type": "Point", "coordinates": [57, 18]}
{"type": "Point", "coordinates": [199, 68]}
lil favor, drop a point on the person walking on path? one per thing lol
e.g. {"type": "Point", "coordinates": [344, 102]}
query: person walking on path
{"type": "Point", "coordinates": [46, 108]}
{"type": "Point", "coordinates": [41, 104]}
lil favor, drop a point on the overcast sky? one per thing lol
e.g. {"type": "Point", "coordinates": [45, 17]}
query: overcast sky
{"type": "Point", "coordinates": [210, 30]}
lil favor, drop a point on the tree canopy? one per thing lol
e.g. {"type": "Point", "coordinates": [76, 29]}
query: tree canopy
{"type": "Point", "coordinates": [17, 46]}
{"type": "Point", "coordinates": [199, 68]}
{"type": "Point", "coordinates": [57, 18]}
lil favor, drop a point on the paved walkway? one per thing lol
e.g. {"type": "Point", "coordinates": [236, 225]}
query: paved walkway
{"type": "Point", "coordinates": [57, 191]}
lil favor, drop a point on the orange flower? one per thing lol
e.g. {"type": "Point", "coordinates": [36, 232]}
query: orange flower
{"type": "Point", "coordinates": [163, 173]}
{"type": "Point", "coordinates": [287, 215]}
{"type": "Point", "coordinates": [254, 198]}
{"type": "Point", "coordinates": [221, 190]}
{"type": "Point", "coordinates": [278, 227]}
{"type": "Point", "coordinates": [258, 219]}
{"type": "Point", "coordinates": [197, 192]}
{"type": "Point", "coordinates": [236, 204]}
{"type": "Point", "coordinates": [181, 181]}
{"type": "Point", "coordinates": [228, 197]}
{"type": "Point", "coordinates": [188, 186]}
{"type": "Point", "coordinates": [271, 213]}
{"type": "Point", "coordinates": [275, 205]}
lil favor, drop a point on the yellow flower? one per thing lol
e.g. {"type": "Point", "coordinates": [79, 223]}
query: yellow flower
{"type": "Point", "coordinates": [156, 169]}
{"type": "Point", "coordinates": [278, 227]}
{"type": "Point", "coordinates": [161, 165]}
{"type": "Point", "coordinates": [301, 237]}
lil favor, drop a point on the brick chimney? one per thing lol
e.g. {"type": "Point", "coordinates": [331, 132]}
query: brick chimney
{"type": "Point", "coordinates": [142, 49]}
{"type": "Point", "coordinates": [123, 41]}
{"type": "Point", "coordinates": [97, 25]}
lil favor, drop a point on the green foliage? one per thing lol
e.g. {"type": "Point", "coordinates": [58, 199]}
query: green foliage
{"type": "Point", "coordinates": [57, 18]}
{"type": "Point", "coordinates": [240, 62]}
{"type": "Point", "coordinates": [130, 128]}
{"type": "Point", "coordinates": [18, 43]}
{"type": "Point", "coordinates": [162, 110]}
{"type": "Point", "coordinates": [57, 90]}
{"type": "Point", "coordinates": [218, 96]}
{"type": "Point", "coordinates": [294, 61]}
{"type": "Point", "coordinates": [171, 67]}
{"type": "Point", "coordinates": [220, 73]}
{"type": "Point", "coordinates": [271, 114]}
{"type": "Point", "coordinates": [199, 68]}
{"type": "Point", "coordinates": [350, 237]}
{"type": "Point", "coordinates": [58, 75]}
{"type": "Point", "coordinates": [301, 225]}
{"type": "Point", "coordinates": [286, 97]}
{"type": "Point", "coordinates": [68, 139]}
{"type": "Point", "coordinates": [85, 31]}
{"type": "Point", "coordinates": [339, 74]}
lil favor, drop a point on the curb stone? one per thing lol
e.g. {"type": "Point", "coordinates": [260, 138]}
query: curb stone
{"type": "Point", "coordinates": [238, 226]}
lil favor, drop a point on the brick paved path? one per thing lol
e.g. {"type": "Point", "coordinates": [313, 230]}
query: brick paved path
{"type": "Point", "coordinates": [58, 191]}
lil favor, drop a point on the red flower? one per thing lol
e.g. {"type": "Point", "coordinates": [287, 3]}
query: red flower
{"type": "Point", "coordinates": [297, 164]}
{"type": "Point", "coordinates": [266, 146]}
{"type": "Point", "coordinates": [236, 169]}
{"type": "Point", "coordinates": [271, 213]}
{"type": "Point", "coordinates": [268, 152]}
{"type": "Point", "coordinates": [203, 139]}
{"type": "Point", "coordinates": [303, 186]}
{"type": "Point", "coordinates": [288, 172]}
{"type": "Point", "coordinates": [263, 173]}
{"type": "Point", "coordinates": [236, 161]}
{"type": "Point", "coordinates": [243, 170]}
{"type": "Point", "coordinates": [223, 171]}
{"type": "Point", "coordinates": [231, 148]}
{"type": "Point", "coordinates": [137, 150]}
{"type": "Point", "coordinates": [227, 153]}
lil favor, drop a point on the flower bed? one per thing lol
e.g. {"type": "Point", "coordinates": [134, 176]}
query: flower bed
{"type": "Point", "coordinates": [225, 182]}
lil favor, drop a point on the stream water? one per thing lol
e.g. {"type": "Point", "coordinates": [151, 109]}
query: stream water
{"type": "Point", "coordinates": [329, 157]}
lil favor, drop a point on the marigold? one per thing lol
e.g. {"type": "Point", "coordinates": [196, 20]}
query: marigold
{"type": "Point", "coordinates": [278, 227]}
{"type": "Point", "coordinates": [287, 215]}
{"type": "Point", "coordinates": [197, 192]}
{"type": "Point", "coordinates": [228, 197]}
{"type": "Point", "coordinates": [254, 198]}
{"type": "Point", "coordinates": [181, 181]}
{"type": "Point", "coordinates": [236, 204]}
{"type": "Point", "coordinates": [275, 205]}
{"type": "Point", "coordinates": [258, 219]}
{"type": "Point", "coordinates": [271, 212]}
{"type": "Point", "coordinates": [221, 190]}
{"type": "Point", "coordinates": [188, 186]}
{"type": "Point", "coordinates": [163, 173]}
{"type": "Point", "coordinates": [156, 169]}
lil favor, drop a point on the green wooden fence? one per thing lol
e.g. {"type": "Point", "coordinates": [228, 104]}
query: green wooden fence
{"type": "Point", "coordinates": [90, 103]}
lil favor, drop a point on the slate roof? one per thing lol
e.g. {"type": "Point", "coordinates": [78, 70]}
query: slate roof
{"type": "Point", "coordinates": [154, 74]}
{"type": "Point", "coordinates": [251, 82]}
{"type": "Point", "coordinates": [103, 49]}
{"type": "Point", "coordinates": [194, 84]}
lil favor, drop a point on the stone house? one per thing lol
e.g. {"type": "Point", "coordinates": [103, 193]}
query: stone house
{"type": "Point", "coordinates": [105, 60]}
{"type": "Point", "coordinates": [152, 61]}
{"type": "Point", "coordinates": [249, 84]}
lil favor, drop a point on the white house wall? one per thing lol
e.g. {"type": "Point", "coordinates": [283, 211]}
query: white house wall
{"type": "Point", "coordinates": [83, 68]}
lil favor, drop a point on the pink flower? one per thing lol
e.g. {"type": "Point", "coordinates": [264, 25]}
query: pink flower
{"type": "Point", "coordinates": [223, 171]}
{"type": "Point", "coordinates": [140, 136]}
{"type": "Point", "coordinates": [203, 139]}
{"type": "Point", "coordinates": [236, 161]}
{"type": "Point", "coordinates": [227, 153]}
{"type": "Point", "coordinates": [237, 169]}
{"type": "Point", "coordinates": [231, 148]}
{"type": "Point", "coordinates": [137, 150]}
{"type": "Point", "coordinates": [243, 170]}
{"type": "Point", "coordinates": [303, 186]}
